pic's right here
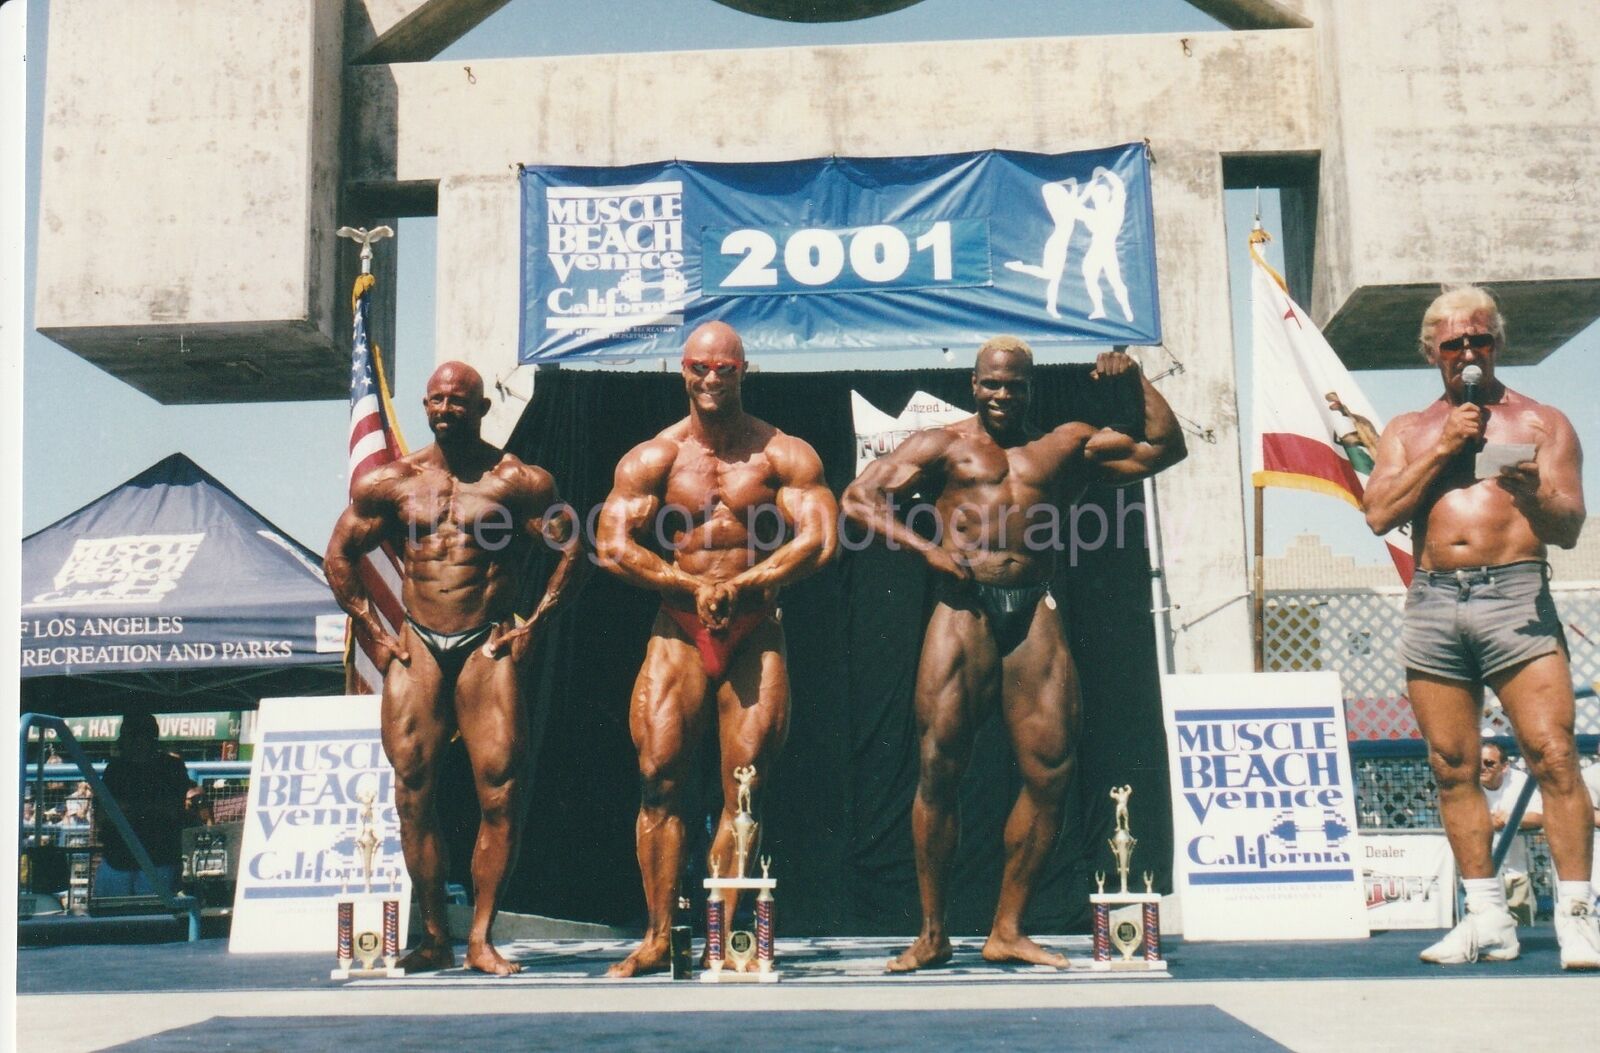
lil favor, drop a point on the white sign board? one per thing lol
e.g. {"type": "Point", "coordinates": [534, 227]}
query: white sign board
{"type": "Point", "coordinates": [1410, 877]}
{"type": "Point", "coordinates": [313, 758]}
{"type": "Point", "coordinates": [878, 434]}
{"type": "Point", "coordinates": [1264, 823]}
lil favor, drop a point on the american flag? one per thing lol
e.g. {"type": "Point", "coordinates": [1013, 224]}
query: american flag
{"type": "Point", "coordinates": [374, 441]}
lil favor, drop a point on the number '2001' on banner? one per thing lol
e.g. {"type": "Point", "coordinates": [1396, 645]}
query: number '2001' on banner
{"type": "Point", "coordinates": [840, 254]}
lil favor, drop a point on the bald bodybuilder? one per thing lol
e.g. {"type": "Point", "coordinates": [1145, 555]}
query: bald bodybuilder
{"type": "Point", "coordinates": [716, 513]}
{"type": "Point", "coordinates": [464, 516]}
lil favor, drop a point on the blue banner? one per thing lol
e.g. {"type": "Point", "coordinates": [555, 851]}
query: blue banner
{"type": "Point", "coordinates": [840, 254]}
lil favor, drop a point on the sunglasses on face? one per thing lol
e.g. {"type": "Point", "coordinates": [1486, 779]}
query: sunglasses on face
{"type": "Point", "coordinates": [721, 369]}
{"type": "Point", "coordinates": [1476, 341]}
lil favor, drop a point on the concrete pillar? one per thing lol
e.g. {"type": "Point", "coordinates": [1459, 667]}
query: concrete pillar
{"type": "Point", "coordinates": [1201, 500]}
{"type": "Point", "coordinates": [189, 183]}
{"type": "Point", "coordinates": [479, 295]}
{"type": "Point", "coordinates": [1458, 145]}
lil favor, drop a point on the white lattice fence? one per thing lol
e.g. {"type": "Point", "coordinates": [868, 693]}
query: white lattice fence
{"type": "Point", "coordinates": [1356, 633]}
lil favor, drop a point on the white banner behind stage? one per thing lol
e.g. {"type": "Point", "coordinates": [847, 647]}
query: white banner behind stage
{"type": "Point", "coordinates": [313, 758]}
{"type": "Point", "coordinates": [1264, 824]}
{"type": "Point", "coordinates": [1410, 877]}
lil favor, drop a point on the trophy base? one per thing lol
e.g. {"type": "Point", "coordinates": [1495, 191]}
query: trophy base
{"type": "Point", "coordinates": [1137, 965]}
{"type": "Point", "coordinates": [383, 973]}
{"type": "Point", "coordinates": [728, 976]}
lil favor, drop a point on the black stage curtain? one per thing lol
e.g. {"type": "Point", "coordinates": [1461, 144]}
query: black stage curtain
{"type": "Point", "coordinates": [837, 813]}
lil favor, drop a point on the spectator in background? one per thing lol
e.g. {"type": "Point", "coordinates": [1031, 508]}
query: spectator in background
{"type": "Point", "coordinates": [1502, 785]}
{"type": "Point", "coordinates": [78, 808]}
{"type": "Point", "coordinates": [197, 807]}
{"type": "Point", "coordinates": [149, 784]}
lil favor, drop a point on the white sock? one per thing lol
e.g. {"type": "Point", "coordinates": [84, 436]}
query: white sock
{"type": "Point", "coordinates": [1570, 891]}
{"type": "Point", "coordinates": [1485, 894]}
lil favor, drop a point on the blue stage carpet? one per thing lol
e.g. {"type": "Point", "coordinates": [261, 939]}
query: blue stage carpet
{"type": "Point", "coordinates": [1195, 1029]}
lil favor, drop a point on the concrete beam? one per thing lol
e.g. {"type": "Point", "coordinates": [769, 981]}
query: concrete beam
{"type": "Point", "coordinates": [410, 30]}
{"type": "Point", "coordinates": [1459, 146]}
{"type": "Point", "coordinates": [1231, 92]}
{"type": "Point", "coordinates": [189, 182]}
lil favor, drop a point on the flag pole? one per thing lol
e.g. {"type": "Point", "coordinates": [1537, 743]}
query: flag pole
{"type": "Point", "coordinates": [353, 684]}
{"type": "Point", "coordinates": [1260, 582]}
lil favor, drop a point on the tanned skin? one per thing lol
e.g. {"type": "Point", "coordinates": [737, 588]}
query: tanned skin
{"type": "Point", "coordinates": [991, 478]}
{"type": "Point", "coordinates": [1424, 476]}
{"type": "Point", "coordinates": [463, 515]}
{"type": "Point", "coordinates": [709, 492]}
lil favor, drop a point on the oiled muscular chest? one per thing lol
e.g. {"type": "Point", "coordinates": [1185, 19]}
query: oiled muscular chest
{"type": "Point", "coordinates": [1015, 475]}
{"type": "Point", "coordinates": [707, 486]}
{"type": "Point", "coordinates": [439, 509]}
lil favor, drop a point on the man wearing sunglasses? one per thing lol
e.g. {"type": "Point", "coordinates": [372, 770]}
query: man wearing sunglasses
{"type": "Point", "coordinates": [716, 513]}
{"type": "Point", "coordinates": [1479, 611]}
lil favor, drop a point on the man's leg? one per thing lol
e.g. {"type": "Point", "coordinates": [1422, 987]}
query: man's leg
{"type": "Point", "coordinates": [1537, 696]}
{"type": "Point", "coordinates": [667, 717]}
{"type": "Point", "coordinates": [494, 726]}
{"type": "Point", "coordinates": [415, 731]}
{"type": "Point", "coordinates": [752, 723]}
{"type": "Point", "coordinates": [956, 683]}
{"type": "Point", "coordinates": [1448, 712]}
{"type": "Point", "coordinates": [1041, 705]}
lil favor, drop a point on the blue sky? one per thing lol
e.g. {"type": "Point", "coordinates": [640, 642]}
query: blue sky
{"type": "Point", "coordinates": [85, 431]}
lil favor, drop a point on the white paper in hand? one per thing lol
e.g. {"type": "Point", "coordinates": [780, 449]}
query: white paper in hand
{"type": "Point", "coordinates": [1496, 456]}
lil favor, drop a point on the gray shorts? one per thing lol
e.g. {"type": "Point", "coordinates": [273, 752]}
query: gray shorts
{"type": "Point", "coordinates": [1471, 623]}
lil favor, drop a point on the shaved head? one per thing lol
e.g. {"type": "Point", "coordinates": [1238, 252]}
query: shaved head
{"type": "Point", "coordinates": [714, 340]}
{"type": "Point", "coordinates": [457, 373]}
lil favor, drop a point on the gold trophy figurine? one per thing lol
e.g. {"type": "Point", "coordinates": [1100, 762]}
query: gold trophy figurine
{"type": "Point", "coordinates": [744, 824]}
{"type": "Point", "coordinates": [1129, 921]}
{"type": "Point", "coordinates": [1122, 841]}
{"type": "Point", "coordinates": [367, 841]}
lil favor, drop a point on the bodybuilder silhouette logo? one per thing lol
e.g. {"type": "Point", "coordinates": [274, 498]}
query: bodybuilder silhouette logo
{"type": "Point", "coordinates": [1100, 205]}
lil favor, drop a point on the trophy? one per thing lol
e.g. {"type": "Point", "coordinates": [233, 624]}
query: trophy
{"type": "Point", "coordinates": [1129, 921]}
{"type": "Point", "coordinates": [741, 955]}
{"type": "Point", "coordinates": [378, 914]}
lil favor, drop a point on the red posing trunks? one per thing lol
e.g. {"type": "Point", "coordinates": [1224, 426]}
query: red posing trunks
{"type": "Point", "coordinates": [717, 648]}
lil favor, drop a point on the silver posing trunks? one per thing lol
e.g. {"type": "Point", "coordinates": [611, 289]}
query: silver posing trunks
{"type": "Point", "coordinates": [1471, 623]}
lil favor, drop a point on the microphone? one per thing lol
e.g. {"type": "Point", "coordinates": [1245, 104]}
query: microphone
{"type": "Point", "coordinates": [1472, 378]}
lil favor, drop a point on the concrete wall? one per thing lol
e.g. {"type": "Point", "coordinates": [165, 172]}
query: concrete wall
{"type": "Point", "coordinates": [188, 195]}
{"type": "Point", "coordinates": [1459, 144]}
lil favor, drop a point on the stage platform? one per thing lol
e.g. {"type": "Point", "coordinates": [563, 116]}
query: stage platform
{"type": "Point", "coordinates": [834, 995]}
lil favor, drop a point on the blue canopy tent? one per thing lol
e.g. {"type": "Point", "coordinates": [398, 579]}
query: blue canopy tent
{"type": "Point", "coordinates": [169, 592]}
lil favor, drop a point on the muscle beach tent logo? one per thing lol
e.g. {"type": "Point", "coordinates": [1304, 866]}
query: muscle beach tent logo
{"type": "Point", "coordinates": [840, 253]}
{"type": "Point", "coordinates": [120, 570]}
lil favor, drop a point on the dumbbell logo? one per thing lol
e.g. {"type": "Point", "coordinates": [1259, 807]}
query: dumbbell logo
{"type": "Point", "coordinates": [1325, 834]}
{"type": "Point", "coordinates": [673, 285]}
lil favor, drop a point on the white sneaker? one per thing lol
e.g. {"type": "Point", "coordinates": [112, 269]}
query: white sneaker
{"type": "Point", "coordinates": [1490, 935]}
{"type": "Point", "coordinates": [1578, 932]}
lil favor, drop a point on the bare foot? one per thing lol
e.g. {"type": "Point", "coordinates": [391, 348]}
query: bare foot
{"type": "Point", "coordinates": [1018, 948]}
{"type": "Point", "coordinates": [484, 958]}
{"type": "Point", "coordinates": [927, 953]}
{"type": "Point", "coordinates": [652, 956]}
{"type": "Point", "coordinates": [429, 955]}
